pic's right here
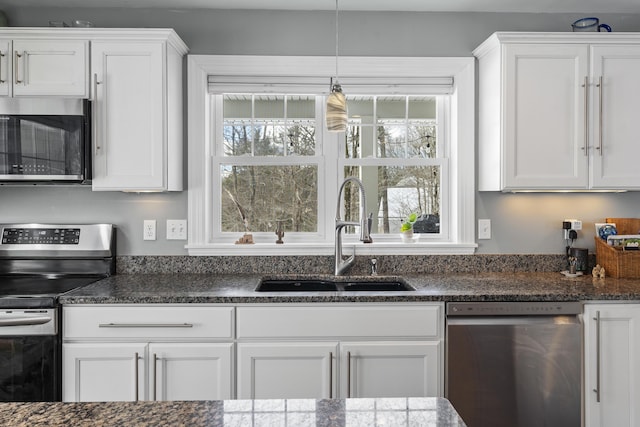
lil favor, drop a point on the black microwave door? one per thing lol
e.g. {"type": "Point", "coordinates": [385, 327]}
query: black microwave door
{"type": "Point", "coordinates": [42, 146]}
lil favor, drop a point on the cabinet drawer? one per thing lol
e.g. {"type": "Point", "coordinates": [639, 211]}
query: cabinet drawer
{"type": "Point", "coordinates": [424, 321]}
{"type": "Point", "coordinates": [97, 322]}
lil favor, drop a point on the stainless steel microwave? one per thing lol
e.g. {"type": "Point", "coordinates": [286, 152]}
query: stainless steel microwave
{"type": "Point", "coordinates": [45, 140]}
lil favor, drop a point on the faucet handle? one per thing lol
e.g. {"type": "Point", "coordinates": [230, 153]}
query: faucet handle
{"type": "Point", "coordinates": [374, 266]}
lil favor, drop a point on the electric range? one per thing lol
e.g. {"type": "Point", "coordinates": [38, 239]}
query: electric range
{"type": "Point", "coordinates": [38, 263]}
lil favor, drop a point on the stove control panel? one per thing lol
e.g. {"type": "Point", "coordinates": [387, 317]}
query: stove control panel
{"type": "Point", "coordinates": [41, 236]}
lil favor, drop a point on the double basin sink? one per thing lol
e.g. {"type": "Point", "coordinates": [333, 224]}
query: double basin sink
{"type": "Point", "coordinates": [330, 285]}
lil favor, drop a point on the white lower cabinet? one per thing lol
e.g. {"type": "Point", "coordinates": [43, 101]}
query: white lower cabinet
{"type": "Point", "coordinates": [352, 350]}
{"type": "Point", "coordinates": [113, 353]}
{"type": "Point", "coordinates": [100, 372]}
{"type": "Point", "coordinates": [390, 369]}
{"type": "Point", "coordinates": [612, 373]}
{"type": "Point", "coordinates": [190, 371]}
{"type": "Point", "coordinates": [253, 351]}
{"type": "Point", "coordinates": [287, 370]}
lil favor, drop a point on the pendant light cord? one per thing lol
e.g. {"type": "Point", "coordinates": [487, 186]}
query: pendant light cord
{"type": "Point", "coordinates": [337, 32]}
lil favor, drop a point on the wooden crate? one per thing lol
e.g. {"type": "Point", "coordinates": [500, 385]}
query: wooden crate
{"type": "Point", "coordinates": [617, 262]}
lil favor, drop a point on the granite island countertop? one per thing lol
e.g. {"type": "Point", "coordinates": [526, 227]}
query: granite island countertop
{"type": "Point", "coordinates": [239, 289]}
{"type": "Point", "coordinates": [427, 412]}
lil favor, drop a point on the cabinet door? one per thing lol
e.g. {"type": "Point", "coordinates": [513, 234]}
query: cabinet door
{"type": "Point", "coordinates": [103, 372]}
{"type": "Point", "coordinates": [5, 67]}
{"type": "Point", "coordinates": [545, 142]}
{"type": "Point", "coordinates": [185, 371]}
{"type": "Point", "coordinates": [286, 370]}
{"type": "Point", "coordinates": [612, 377]}
{"type": "Point", "coordinates": [50, 68]}
{"type": "Point", "coordinates": [616, 102]}
{"type": "Point", "coordinates": [391, 369]}
{"type": "Point", "coordinates": [129, 96]}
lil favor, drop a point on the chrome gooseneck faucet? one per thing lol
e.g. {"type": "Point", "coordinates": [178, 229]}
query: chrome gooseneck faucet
{"type": "Point", "coordinates": [341, 265]}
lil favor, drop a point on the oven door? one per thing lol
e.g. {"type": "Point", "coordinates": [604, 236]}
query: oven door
{"type": "Point", "coordinates": [30, 356]}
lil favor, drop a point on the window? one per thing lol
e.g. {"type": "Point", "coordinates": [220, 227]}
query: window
{"type": "Point", "coordinates": [259, 153]}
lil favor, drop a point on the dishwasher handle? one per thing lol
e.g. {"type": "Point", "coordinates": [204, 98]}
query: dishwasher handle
{"type": "Point", "coordinates": [511, 320]}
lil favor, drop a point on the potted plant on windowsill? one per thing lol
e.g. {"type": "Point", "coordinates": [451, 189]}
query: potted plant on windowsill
{"type": "Point", "coordinates": [406, 229]}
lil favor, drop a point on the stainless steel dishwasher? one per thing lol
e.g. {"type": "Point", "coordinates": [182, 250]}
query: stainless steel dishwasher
{"type": "Point", "coordinates": [515, 364]}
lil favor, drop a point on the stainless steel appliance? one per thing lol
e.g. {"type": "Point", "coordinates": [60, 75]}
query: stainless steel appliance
{"type": "Point", "coordinates": [515, 364]}
{"type": "Point", "coordinates": [45, 140]}
{"type": "Point", "coordinates": [38, 263]}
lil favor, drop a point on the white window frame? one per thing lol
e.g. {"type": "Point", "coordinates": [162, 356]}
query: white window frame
{"type": "Point", "coordinates": [461, 217]}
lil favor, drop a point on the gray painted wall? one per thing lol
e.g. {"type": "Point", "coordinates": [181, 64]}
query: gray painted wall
{"type": "Point", "coordinates": [522, 223]}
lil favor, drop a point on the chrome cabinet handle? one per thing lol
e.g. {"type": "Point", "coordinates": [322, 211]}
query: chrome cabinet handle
{"type": "Point", "coordinates": [348, 374]}
{"type": "Point", "coordinates": [597, 389]}
{"type": "Point", "coordinates": [145, 325]}
{"type": "Point", "coordinates": [95, 112]}
{"type": "Point", "coordinates": [585, 147]}
{"type": "Point", "coordinates": [135, 374]}
{"type": "Point", "coordinates": [330, 375]}
{"type": "Point", "coordinates": [15, 67]}
{"type": "Point", "coordinates": [155, 376]}
{"type": "Point", "coordinates": [2, 55]}
{"type": "Point", "coordinates": [600, 90]}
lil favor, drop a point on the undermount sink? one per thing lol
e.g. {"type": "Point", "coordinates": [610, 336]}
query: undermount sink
{"type": "Point", "coordinates": [326, 285]}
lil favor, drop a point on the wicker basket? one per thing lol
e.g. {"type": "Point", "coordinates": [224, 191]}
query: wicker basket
{"type": "Point", "coordinates": [617, 262]}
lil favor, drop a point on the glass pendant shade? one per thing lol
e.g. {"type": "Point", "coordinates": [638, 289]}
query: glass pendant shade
{"type": "Point", "coordinates": [336, 110]}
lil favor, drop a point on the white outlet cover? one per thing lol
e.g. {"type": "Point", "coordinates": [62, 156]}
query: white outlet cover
{"type": "Point", "coordinates": [149, 229]}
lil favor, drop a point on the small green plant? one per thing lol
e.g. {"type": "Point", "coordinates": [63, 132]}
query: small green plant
{"type": "Point", "coordinates": [407, 224]}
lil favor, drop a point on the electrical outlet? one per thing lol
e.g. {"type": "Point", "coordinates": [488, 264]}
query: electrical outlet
{"type": "Point", "coordinates": [484, 229]}
{"type": "Point", "coordinates": [572, 224]}
{"type": "Point", "coordinates": [176, 229]}
{"type": "Point", "coordinates": [149, 229]}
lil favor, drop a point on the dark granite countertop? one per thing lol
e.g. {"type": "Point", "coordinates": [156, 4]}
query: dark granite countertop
{"type": "Point", "coordinates": [428, 412]}
{"type": "Point", "coordinates": [236, 289]}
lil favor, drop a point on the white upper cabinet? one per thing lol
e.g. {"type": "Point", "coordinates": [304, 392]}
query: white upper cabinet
{"type": "Point", "coordinates": [614, 115]}
{"type": "Point", "coordinates": [555, 111]}
{"type": "Point", "coordinates": [44, 67]}
{"type": "Point", "coordinates": [137, 94]}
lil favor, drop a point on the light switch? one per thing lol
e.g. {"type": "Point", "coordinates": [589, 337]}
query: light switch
{"type": "Point", "coordinates": [176, 229]}
{"type": "Point", "coordinates": [484, 229]}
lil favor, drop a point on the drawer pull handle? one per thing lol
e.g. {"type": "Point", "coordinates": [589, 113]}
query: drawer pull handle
{"type": "Point", "coordinates": [135, 375]}
{"type": "Point", "coordinates": [145, 325]}
{"type": "Point", "coordinates": [155, 376]}
{"type": "Point", "coordinates": [348, 374]}
{"type": "Point", "coordinates": [330, 375]}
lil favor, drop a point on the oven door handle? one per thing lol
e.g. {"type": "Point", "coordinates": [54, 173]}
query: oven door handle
{"type": "Point", "coordinates": [23, 320]}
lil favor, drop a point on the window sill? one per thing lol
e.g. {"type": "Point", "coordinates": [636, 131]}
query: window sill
{"type": "Point", "coordinates": [381, 248]}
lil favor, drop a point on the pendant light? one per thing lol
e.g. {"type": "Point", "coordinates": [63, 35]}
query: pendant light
{"type": "Point", "coordinates": [336, 102]}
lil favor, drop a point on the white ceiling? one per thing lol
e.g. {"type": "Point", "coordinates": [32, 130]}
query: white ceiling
{"type": "Point", "coordinates": [530, 6]}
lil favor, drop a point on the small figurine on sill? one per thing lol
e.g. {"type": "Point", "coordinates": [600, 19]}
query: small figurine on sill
{"type": "Point", "coordinates": [246, 239]}
{"type": "Point", "coordinates": [280, 231]}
